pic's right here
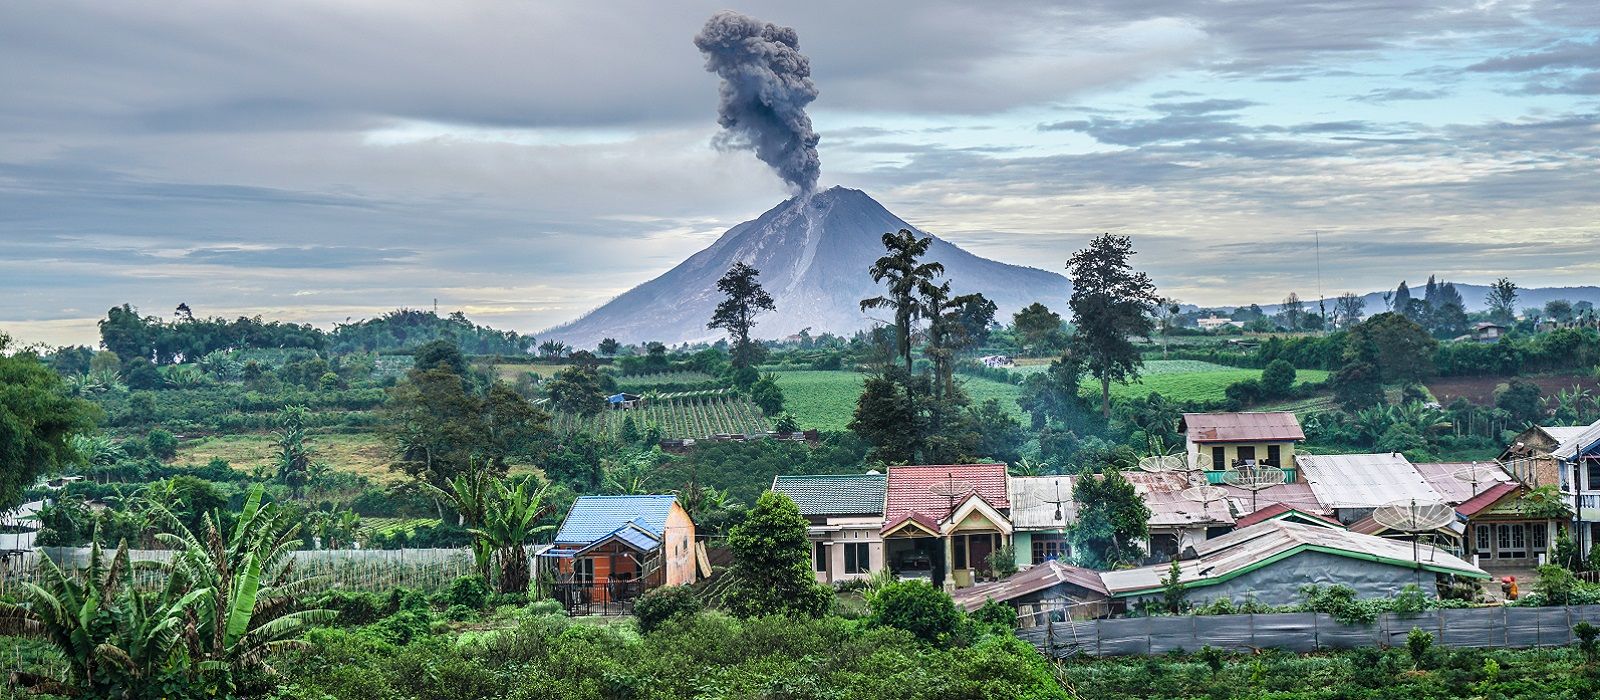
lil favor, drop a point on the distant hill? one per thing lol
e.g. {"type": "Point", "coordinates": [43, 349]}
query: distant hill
{"type": "Point", "coordinates": [813, 253]}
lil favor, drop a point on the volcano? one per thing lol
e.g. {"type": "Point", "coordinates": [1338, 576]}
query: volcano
{"type": "Point", "coordinates": [813, 252]}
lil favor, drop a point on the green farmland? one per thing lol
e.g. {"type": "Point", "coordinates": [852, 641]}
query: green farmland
{"type": "Point", "coordinates": [825, 399]}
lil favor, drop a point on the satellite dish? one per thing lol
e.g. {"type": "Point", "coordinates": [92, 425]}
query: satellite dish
{"type": "Point", "coordinates": [952, 488]}
{"type": "Point", "coordinates": [1200, 462]}
{"type": "Point", "coordinates": [1160, 464]}
{"type": "Point", "coordinates": [1411, 515]}
{"type": "Point", "coordinates": [1205, 493]}
{"type": "Point", "coordinates": [1253, 478]}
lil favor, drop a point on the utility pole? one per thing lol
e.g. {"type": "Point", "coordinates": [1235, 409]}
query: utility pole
{"type": "Point", "coordinates": [1322, 297]}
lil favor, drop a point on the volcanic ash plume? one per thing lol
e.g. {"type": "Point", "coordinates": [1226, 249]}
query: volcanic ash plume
{"type": "Point", "coordinates": [766, 85]}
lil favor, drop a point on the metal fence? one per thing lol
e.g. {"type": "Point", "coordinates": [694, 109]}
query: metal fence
{"type": "Point", "coordinates": [1505, 627]}
{"type": "Point", "coordinates": [352, 569]}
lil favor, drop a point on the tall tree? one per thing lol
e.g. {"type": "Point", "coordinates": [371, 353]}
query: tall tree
{"type": "Point", "coordinates": [1347, 309]}
{"type": "Point", "coordinates": [737, 313]}
{"type": "Point", "coordinates": [1111, 303]}
{"type": "Point", "coordinates": [1402, 298]}
{"type": "Point", "coordinates": [1558, 310]}
{"type": "Point", "coordinates": [37, 423]}
{"type": "Point", "coordinates": [1112, 521]}
{"type": "Point", "coordinates": [1036, 326]}
{"type": "Point", "coordinates": [1293, 311]}
{"type": "Point", "coordinates": [1398, 348]}
{"type": "Point", "coordinates": [609, 347]}
{"type": "Point", "coordinates": [905, 275]}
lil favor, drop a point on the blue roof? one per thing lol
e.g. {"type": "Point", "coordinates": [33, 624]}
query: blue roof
{"type": "Point", "coordinates": [594, 517]}
{"type": "Point", "coordinates": [631, 534]}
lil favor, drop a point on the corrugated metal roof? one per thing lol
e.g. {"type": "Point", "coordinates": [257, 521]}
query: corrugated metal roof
{"type": "Point", "coordinates": [1364, 480]}
{"type": "Point", "coordinates": [1163, 495]}
{"type": "Point", "coordinates": [1034, 502]}
{"type": "Point", "coordinates": [1241, 427]}
{"type": "Point", "coordinates": [1563, 433]}
{"type": "Point", "coordinates": [631, 534]}
{"type": "Point", "coordinates": [1249, 548]}
{"type": "Point", "coordinates": [1571, 447]}
{"type": "Point", "coordinates": [1039, 578]}
{"type": "Point", "coordinates": [1296, 495]}
{"type": "Point", "coordinates": [834, 494]}
{"type": "Point", "coordinates": [1443, 477]}
{"type": "Point", "coordinates": [1283, 510]}
{"type": "Point", "coordinates": [594, 517]}
{"type": "Point", "coordinates": [934, 489]}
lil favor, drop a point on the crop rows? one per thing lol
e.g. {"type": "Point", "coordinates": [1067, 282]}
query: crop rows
{"type": "Point", "coordinates": [690, 416]}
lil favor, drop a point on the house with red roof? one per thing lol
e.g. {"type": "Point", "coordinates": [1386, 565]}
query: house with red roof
{"type": "Point", "coordinates": [942, 522]}
{"type": "Point", "coordinates": [1506, 532]}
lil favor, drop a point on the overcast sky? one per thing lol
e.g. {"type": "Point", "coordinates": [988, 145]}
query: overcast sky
{"type": "Point", "coordinates": [524, 162]}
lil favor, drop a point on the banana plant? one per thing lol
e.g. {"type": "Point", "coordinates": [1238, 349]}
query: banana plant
{"type": "Point", "coordinates": [516, 505]}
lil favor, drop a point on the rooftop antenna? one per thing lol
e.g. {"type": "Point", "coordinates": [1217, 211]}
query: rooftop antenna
{"type": "Point", "coordinates": [1322, 297]}
{"type": "Point", "coordinates": [1415, 517]}
{"type": "Point", "coordinates": [951, 489]}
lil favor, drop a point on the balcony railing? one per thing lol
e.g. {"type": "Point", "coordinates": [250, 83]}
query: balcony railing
{"type": "Point", "coordinates": [1290, 475]}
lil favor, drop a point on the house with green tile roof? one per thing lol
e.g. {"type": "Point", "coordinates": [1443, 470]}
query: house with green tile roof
{"type": "Point", "coordinates": [844, 512]}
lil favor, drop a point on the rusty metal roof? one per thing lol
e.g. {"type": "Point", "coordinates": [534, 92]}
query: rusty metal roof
{"type": "Point", "coordinates": [1042, 577]}
{"type": "Point", "coordinates": [1256, 426]}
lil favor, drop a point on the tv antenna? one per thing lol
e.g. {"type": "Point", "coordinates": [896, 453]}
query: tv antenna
{"type": "Point", "coordinates": [1322, 297]}
{"type": "Point", "coordinates": [952, 489]}
{"type": "Point", "coordinates": [1254, 479]}
{"type": "Point", "coordinates": [1415, 517]}
{"type": "Point", "coordinates": [1477, 473]}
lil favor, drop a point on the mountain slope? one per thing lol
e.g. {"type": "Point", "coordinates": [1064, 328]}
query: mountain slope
{"type": "Point", "coordinates": [813, 253]}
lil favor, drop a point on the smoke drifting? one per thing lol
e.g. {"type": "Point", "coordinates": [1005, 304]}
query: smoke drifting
{"type": "Point", "coordinates": [766, 85]}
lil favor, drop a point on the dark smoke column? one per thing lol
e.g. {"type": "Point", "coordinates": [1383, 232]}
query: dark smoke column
{"type": "Point", "coordinates": [766, 85]}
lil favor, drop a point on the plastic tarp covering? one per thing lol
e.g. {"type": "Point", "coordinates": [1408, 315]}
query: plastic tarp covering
{"type": "Point", "coordinates": [1302, 632]}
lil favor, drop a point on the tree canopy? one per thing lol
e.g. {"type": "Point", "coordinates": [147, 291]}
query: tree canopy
{"type": "Point", "coordinates": [1111, 304]}
{"type": "Point", "coordinates": [37, 422]}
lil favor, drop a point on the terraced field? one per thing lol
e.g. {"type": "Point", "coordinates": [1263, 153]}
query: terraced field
{"type": "Point", "coordinates": [689, 417]}
{"type": "Point", "coordinates": [365, 454]}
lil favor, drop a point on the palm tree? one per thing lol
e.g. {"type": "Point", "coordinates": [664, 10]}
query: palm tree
{"type": "Point", "coordinates": [905, 278]}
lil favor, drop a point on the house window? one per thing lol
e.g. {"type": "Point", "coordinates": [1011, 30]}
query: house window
{"type": "Point", "coordinates": [960, 548]}
{"type": "Point", "coordinates": [1247, 455]}
{"type": "Point", "coordinates": [1594, 473]}
{"type": "Point", "coordinates": [1481, 540]}
{"type": "Point", "coordinates": [1274, 454]}
{"type": "Point", "coordinates": [820, 556]}
{"type": "Point", "coordinates": [1512, 541]}
{"type": "Point", "coordinates": [583, 570]}
{"type": "Point", "coordinates": [1540, 536]}
{"type": "Point", "coordinates": [1219, 458]}
{"type": "Point", "coordinates": [1047, 547]}
{"type": "Point", "coordinates": [857, 558]}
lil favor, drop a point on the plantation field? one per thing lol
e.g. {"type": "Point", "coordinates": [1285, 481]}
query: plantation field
{"type": "Point", "coordinates": [510, 372]}
{"type": "Point", "coordinates": [365, 454]}
{"type": "Point", "coordinates": [826, 399]}
{"type": "Point", "coordinates": [1201, 381]}
{"type": "Point", "coordinates": [690, 417]}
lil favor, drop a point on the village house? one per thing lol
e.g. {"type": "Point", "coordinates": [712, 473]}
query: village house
{"type": "Point", "coordinates": [1351, 486]}
{"type": "Point", "coordinates": [624, 401]}
{"type": "Point", "coordinates": [1211, 323]}
{"type": "Point", "coordinates": [1578, 460]}
{"type": "Point", "coordinates": [941, 522]}
{"type": "Point", "coordinates": [1176, 521]}
{"type": "Point", "coordinates": [1050, 586]}
{"type": "Point", "coordinates": [844, 513]}
{"type": "Point", "coordinates": [1270, 561]}
{"type": "Point", "coordinates": [1041, 509]}
{"type": "Point", "coordinates": [1530, 456]}
{"type": "Point", "coordinates": [1229, 440]}
{"type": "Point", "coordinates": [610, 549]}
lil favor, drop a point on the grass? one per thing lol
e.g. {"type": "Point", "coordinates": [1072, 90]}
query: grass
{"type": "Point", "coordinates": [510, 372]}
{"type": "Point", "coordinates": [826, 399]}
{"type": "Point", "coordinates": [365, 454]}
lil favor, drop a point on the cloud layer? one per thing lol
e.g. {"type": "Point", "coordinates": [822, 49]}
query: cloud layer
{"type": "Point", "coordinates": [525, 162]}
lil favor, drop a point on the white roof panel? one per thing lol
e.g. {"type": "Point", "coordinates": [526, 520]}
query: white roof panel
{"type": "Point", "coordinates": [1364, 480]}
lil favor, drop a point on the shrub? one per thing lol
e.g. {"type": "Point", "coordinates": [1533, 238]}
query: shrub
{"type": "Point", "coordinates": [162, 444]}
{"type": "Point", "coordinates": [354, 607]}
{"type": "Point", "coordinates": [1277, 380]}
{"type": "Point", "coordinates": [471, 592]}
{"type": "Point", "coordinates": [665, 603]}
{"type": "Point", "coordinates": [404, 626]}
{"type": "Point", "coordinates": [1213, 658]}
{"type": "Point", "coordinates": [996, 613]}
{"type": "Point", "coordinates": [916, 607]}
{"type": "Point", "coordinates": [460, 613]}
{"type": "Point", "coordinates": [1555, 584]}
{"type": "Point", "coordinates": [1418, 643]}
{"type": "Point", "coordinates": [1587, 634]}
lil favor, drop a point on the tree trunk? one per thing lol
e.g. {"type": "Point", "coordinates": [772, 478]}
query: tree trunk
{"type": "Point", "coordinates": [1105, 397]}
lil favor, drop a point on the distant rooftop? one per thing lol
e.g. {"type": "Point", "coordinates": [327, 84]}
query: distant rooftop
{"type": "Point", "coordinates": [834, 494]}
{"type": "Point", "coordinates": [1256, 426]}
